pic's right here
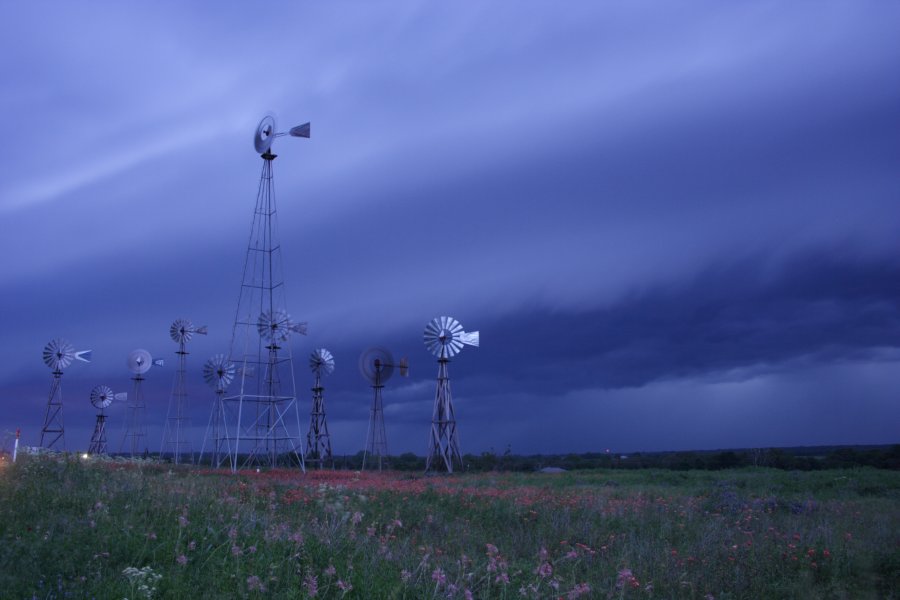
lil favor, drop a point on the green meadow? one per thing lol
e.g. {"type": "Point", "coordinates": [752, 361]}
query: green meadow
{"type": "Point", "coordinates": [105, 528]}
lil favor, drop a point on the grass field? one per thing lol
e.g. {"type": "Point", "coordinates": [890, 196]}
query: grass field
{"type": "Point", "coordinates": [102, 528]}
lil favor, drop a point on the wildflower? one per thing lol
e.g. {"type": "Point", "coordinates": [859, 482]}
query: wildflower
{"type": "Point", "coordinates": [255, 584]}
{"type": "Point", "coordinates": [579, 590]}
{"type": "Point", "coordinates": [181, 560]}
{"type": "Point", "coordinates": [232, 533]}
{"type": "Point", "coordinates": [467, 594]}
{"type": "Point", "coordinates": [312, 585]}
{"type": "Point", "coordinates": [626, 577]}
{"type": "Point", "coordinates": [405, 575]}
{"type": "Point", "coordinates": [330, 570]}
{"type": "Point", "coordinates": [192, 545]}
{"type": "Point", "coordinates": [545, 570]}
{"type": "Point", "coordinates": [357, 518]}
{"type": "Point", "coordinates": [182, 521]}
{"type": "Point", "coordinates": [491, 549]}
{"type": "Point", "coordinates": [251, 549]}
{"type": "Point", "coordinates": [502, 578]}
{"type": "Point", "coordinates": [439, 576]}
{"type": "Point", "coordinates": [370, 531]}
{"type": "Point", "coordinates": [344, 586]}
{"type": "Point", "coordinates": [235, 550]}
{"type": "Point", "coordinates": [151, 535]}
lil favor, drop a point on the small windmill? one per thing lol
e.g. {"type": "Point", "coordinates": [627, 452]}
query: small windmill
{"type": "Point", "coordinates": [318, 442]}
{"type": "Point", "coordinates": [444, 337]}
{"type": "Point", "coordinates": [139, 362]}
{"type": "Point", "coordinates": [377, 365]}
{"type": "Point", "coordinates": [218, 372]}
{"type": "Point", "coordinates": [101, 397]}
{"type": "Point", "coordinates": [58, 354]}
{"type": "Point", "coordinates": [175, 435]}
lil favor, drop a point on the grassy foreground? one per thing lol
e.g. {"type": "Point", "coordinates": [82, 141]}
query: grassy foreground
{"type": "Point", "coordinates": [72, 528]}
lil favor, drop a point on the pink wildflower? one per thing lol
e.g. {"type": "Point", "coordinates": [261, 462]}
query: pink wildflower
{"type": "Point", "coordinates": [235, 550]}
{"type": "Point", "coordinates": [181, 560]}
{"type": "Point", "coordinates": [439, 576]}
{"type": "Point", "coordinates": [491, 549]}
{"type": "Point", "coordinates": [312, 585]}
{"type": "Point", "coordinates": [344, 586]}
{"type": "Point", "coordinates": [579, 590]}
{"type": "Point", "coordinates": [357, 518]}
{"type": "Point", "coordinates": [545, 570]}
{"type": "Point", "coordinates": [255, 584]}
{"type": "Point", "coordinates": [370, 531]}
{"type": "Point", "coordinates": [182, 521]}
{"type": "Point", "coordinates": [192, 545]}
{"type": "Point", "coordinates": [330, 570]}
{"type": "Point", "coordinates": [502, 578]}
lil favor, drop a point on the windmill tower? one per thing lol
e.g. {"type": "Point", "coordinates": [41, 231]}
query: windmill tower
{"type": "Point", "coordinates": [377, 365]}
{"type": "Point", "coordinates": [139, 362]}
{"type": "Point", "coordinates": [58, 354]}
{"type": "Point", "coordinates": [318, 442]}
{"type": "Point", "coordinates": [444, 337]}
{"type": "Point", "coordinates": [263, 418]}
{"type": "Point", "coordinates": [101, 397]}
{"type": "Point", "coordinates": [176, 440]}
{"type": "Point", "coordinates": [218, 372]}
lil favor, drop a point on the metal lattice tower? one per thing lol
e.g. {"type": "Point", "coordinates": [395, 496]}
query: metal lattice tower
{"type": "Point", "coordinates": [318, 441]}
{"type": "Point", "coordinates": [176, 433]}
{"type": "Point", "coordinates": [262, 418]}
{"type": "Point", "coordinates": [377, 365]}
{"type": "Point", "coordinates": [218, 372]}
{"type": "Point", "coordinates": [444, 337]}
{"type": "Point", "coordinates": [58, 354]}
{"type": "Point", "coordinates": [139, 362]}
{"type": "Point", "coordinates": [101, 397]}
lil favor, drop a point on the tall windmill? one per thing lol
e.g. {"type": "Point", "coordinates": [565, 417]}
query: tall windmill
{"type": "Point", "coordinates": [139, 362]}
{"type": "Point", "coordinates": [176, 433]}
{"type": "Point", "coordinates": [377, 365]}
{"type": "Point", "coordinates": [58, 354]}
{"type": "Point", "coordinates": [262, 416]}
{"type": "Point", "coordinates": [318, 442]}
{"type": "Point", "coordinates": [444, 337]}
{"type": "Point", "coordinates": [101, 397]}
{"type": "Point", "coordinates": [218, 372]}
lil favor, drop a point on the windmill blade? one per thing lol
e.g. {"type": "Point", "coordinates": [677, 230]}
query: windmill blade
{"type": "Point", "coordinates": [298, 327]}
{"type": "Point", "coordinates": [83, 355]}
{"type": "Point", "coordinates": [121, 397]}
{"type": "Point", "coordinates": [201, 330]}
{"type": "Point", "coordinates": [300, 131]}
{"type": "Point", "coordinates": [469, 338]}
{"type": "Point", "coordinates": [159, 362]}
{"type": "Point", "coordinates": [404, 367]}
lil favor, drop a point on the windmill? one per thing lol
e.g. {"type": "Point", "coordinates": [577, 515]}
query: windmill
{"type": "Point", "coordinates": [101, 397]}
{"type": "Point", "coordinates": [139, 362]}
{"type": "Point", "coordinates": [177, 428]}
{"type": "Point", "coordinates": [58, 354]}
{"type": "Point", "coordinates": [377, 365]}
{"type": "Point", "coordinates": [444, 337]}
{"type": "Point", "coordinates": [218, 372]}
{"type": "Point", "coordinates": [262, 415]}
{"type": "Point", "coordinates": [318, 442]}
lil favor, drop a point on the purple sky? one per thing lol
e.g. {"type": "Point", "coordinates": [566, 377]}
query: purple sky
{"type": "Point", "coordinates": [674, 226]}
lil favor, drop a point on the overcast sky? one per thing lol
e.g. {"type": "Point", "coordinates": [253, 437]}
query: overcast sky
{"type": "Point", "coordinates": [675, 225]}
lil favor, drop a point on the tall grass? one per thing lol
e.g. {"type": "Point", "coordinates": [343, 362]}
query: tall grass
{"type": "Point", "coordinates": [133, 529]}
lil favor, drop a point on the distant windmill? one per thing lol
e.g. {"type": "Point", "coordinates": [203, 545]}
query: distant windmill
{"type": "Point", "coordinates": [176, 440]}
{"type": "Point", "coordinates": [444, 337]}
{"type": "Point", "coordinates": [101, 397]}
{"type": "Point", "coordinates": [218, 372]}
{"type": "Point", "coordinates": [263, 414]}
{"type": "Point", "coordinates": [377, 365]}
{"type": "Point", "coordinates": [139, 362]}
{"type": "Point", "coordinates": [58, 354]}
{"type": "Point", "coordinates": [318, 442]}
